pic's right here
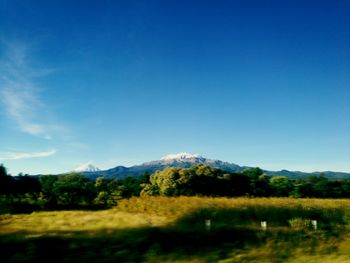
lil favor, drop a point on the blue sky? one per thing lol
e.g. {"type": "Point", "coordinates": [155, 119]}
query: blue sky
{"type": "Point", "coordinates": [259, 83]}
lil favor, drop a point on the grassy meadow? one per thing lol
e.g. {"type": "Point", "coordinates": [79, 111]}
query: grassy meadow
{"type": "Point", "coordinates": [165, 229]}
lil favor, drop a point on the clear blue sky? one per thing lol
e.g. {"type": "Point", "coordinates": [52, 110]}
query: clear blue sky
{"type": "Point", "coordinates": [259, 83]}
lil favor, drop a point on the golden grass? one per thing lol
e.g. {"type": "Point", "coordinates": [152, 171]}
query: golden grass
{"type": "Point", "coordinates": [178, 206]}
{"type": "Point", "coordinates": [147, 211]}
{"type": "Point", "coordinates": [63, 221]}
{"type": "Point", "coordinates": [267, 253]}
{"type": "Point", "coordinates": [147, 223]}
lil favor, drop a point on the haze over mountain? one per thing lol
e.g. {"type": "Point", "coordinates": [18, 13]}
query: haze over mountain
{"type": "Point", "coordinates": [185, 160]}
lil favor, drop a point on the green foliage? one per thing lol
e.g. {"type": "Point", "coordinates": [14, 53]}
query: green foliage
{"type": "Point", "coordinates": [26, 184]}
{"type": "Point", "coordinates": [205, 180]}
{"type": "Point", "coordinates": [47, 183]}
{"type": "Point", "coordinates": [3, 171]}
{"type": "Point", "coordinates": [6, 181]}
{"type": "Point", "coordinates": [101, 184]}
{"type": "Point", "coordinates": [74, 189]}
{"type": "Point", "coordinates": [281, 185]}
{"type": "Point", "coordinates": [149, 190]}
{"type": "Point", "coordinates": [253, 173]}
{"type": "Point", "coordinates": [102, 198]}
{"type": "Point", "coordinates": [200, 180]}
{"type": "Point", "coordinates": [169, 181]}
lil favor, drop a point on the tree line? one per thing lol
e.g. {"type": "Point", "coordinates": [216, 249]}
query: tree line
{"type": "Point", "coordinates": [71, 190]}
{"type": "Point", "coordinates": [208, 181]}
{"type": "Point", "coordinates": [75, 190]}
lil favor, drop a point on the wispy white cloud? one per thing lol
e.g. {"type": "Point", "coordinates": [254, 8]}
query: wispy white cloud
{"type": "Point", "coordinates": [20, 93]}
{"type": "Point", "coordinates": [21, 155]}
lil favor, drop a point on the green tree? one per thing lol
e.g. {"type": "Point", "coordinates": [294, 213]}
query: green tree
{"type": "Point", "coordinates": [259, 182]}
{"type": "Point", "coordinates": [253, 172]}
{"type": "Point", "coordinates": [47, 183]}
{"type": "Point", "coordinates": [235, 184]}
{"type": "Point", "coordinates": [320, 186]}
{"type": "Point", "coordinates": [74, 189]}
{"type": "Point", "coordinates": [196, 180]}
{"type": "Point", "coordinates": [27, 185]}
{"type": "Point", "coordinates": [3, 171]}
{"type": "Point", "coordinates": [281, 186]}
{"type": "Point", "coordinates": [102, 198]}
{"type": "Point", "coordinates": [166, 181]}
{"type": "Point", "coordinates": [171, 182]}
{"type": "Point", "coordinates": [101, 184]}
{"type": "Point", "coordinates": [6, 182]}
{"type": "Point", "coordinates": [149, 189]}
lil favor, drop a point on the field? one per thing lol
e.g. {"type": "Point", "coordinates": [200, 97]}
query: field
{"type": "Point", "coordinates": [163, 229]}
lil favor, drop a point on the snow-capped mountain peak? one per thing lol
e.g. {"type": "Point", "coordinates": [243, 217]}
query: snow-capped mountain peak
{"type": "Point", "coordinates": [179, 156]}
{"type": "Point", "coordinates": [87, 167]}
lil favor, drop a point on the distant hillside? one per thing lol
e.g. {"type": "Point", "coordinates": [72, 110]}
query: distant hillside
{"type": "Point", "coordinates": [186, 160]}
{"type": "Point", "coordinates": [297, 174]}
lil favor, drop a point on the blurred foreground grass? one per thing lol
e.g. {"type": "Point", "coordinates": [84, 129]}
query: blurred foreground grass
{"type": "Point", "coordinates": [161, 229]}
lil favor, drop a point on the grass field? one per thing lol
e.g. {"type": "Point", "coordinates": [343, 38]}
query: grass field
{"type": "Point", "coordinates": [160, 229]}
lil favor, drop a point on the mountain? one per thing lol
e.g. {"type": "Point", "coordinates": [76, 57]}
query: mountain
{"type": "Point", "coordinates": [185, 160]}
{"type": "Point", "coordinates": [188, 160]}
{"type": "Point", "coordinates": [87, 167]}
{"type": "Point", "coordinates": [182, 160]}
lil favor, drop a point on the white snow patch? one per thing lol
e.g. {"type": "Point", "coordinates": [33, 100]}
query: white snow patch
{"type": "Point", "coordinates": [87, 167]}
{"type": "Point", "coordinates": [180, 156]}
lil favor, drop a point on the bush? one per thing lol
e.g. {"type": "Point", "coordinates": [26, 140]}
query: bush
{"type": "Point", "coordinates": [300, 223]}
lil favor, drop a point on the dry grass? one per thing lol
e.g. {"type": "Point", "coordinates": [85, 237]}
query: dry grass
{"type": "Point", "coordinates": [63, 221]}
{"type": "Point", "coordinates": [163, 229]}
{"type": "Point", "coordinates": [178, 206]}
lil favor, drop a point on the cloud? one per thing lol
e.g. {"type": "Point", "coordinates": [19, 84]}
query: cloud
{"type": "Point", "coordinates": [18, 156]}
{"type": "Point", "coordinates": [19, 92]}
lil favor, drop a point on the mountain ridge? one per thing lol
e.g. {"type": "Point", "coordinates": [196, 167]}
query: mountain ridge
{"type": "Point", "coordinates": [186, 160]}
